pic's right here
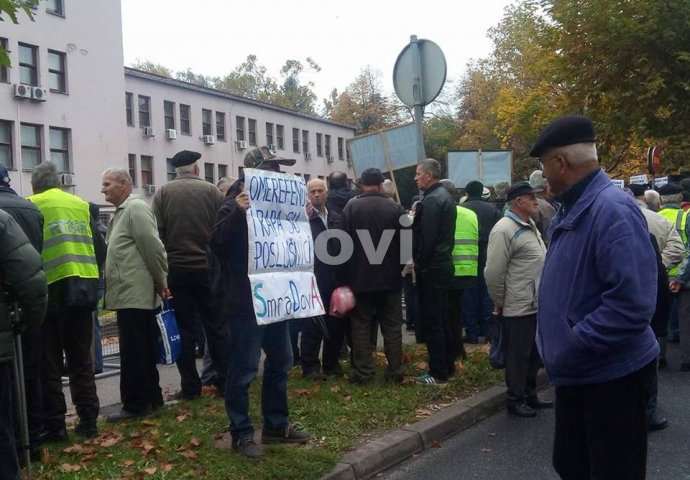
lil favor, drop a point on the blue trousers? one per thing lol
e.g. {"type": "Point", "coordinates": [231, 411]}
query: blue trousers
{"type": "Point", "coordinates": [247, 339]}
{"type": "Point", "coordinates": [476, 308]}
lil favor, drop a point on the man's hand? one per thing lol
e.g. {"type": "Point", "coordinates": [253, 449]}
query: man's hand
{"type": "Point", "coordinates": [674, 286]}
{"type": "Point", "coordinates": [163, 292]}
{"type": "Point", "coordinates": [408, 268]}
{"type": "Point", "coordinates": [242, 200]}
{"type": "Point", "coordinates": [498, 311]}
{"type": "Point", "coordinates": [310, 209]}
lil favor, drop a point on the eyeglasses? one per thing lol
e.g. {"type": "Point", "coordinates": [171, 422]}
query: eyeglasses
{"type": "Point", "coordinates": [542, 162]}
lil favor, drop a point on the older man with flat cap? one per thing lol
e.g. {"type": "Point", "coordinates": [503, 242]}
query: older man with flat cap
{"type": "Point", "coordinates": [247, 338]}
{"type": "Point", "coordinates": [597, 296]}
{"type": "Point", "coordinates": [185, 210]}
{"type": "Point", "coordinates": [375, 282]}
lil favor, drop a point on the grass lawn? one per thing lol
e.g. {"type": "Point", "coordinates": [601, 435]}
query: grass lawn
{"type": "Point", "coordinates": [188, 439]}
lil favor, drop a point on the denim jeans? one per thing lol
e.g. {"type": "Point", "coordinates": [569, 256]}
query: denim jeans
{"type": "Point", "coordinates": [247, 339]}
{"type": "Point", "coordinates": [476, 308]}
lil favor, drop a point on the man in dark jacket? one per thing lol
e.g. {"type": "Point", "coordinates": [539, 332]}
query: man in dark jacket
{"type": "Point", "coordinates": [339, 192]}
{"type": "Point", "coordinates": [29, 218]}
{"type": "Point", "coordinates": [320, 220]}
{"type": "Point", "coordinates": [185, 210]}
{"type": "Point", "coordinates": [370, 219]}
{"type": "Point", "coordinates": [229, 244]}
{"type": "Point", "coordinates": [21, 281]}
{"type": "Point", "coordinates": [433, 239]}
{"type": "Point", "coordinates": [70, 262]}
{"type": "Point", "coordinates": [476, 302]}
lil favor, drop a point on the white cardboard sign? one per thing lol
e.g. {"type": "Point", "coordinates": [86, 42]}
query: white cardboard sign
{"type": "Point", "coordinates": [618, 183]}
{"type": "Point", "coordinates": [639, 179]}
{"type": "Point", "coordinates": [281, 248]}
{"type": "Point", "coordinates": [660, 181]}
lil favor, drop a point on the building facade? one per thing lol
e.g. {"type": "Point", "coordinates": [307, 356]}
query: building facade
{"type": "Point", "coordinates": [67, 99]}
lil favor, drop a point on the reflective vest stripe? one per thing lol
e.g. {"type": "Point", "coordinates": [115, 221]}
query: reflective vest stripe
{"type": "Point", "coordinates": [67, 259]}
{"type": "Point", "coordinates": [466, 257]}
{"type": "Point", "coordinates": [68, 238]}
{"type": "Point", "coordinates": [466, 250]}
{"type": "Point", "coordinates": [459, 241]}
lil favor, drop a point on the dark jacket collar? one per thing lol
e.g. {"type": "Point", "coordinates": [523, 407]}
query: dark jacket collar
{"type": "Point", "coordinates": [432, 188]}
{"type": "Point", "coordinates": [591, 186]}
{"type": "Point", "coordinates": [4, 189]}
{"type": "Point", "coordinates": [570, 197]}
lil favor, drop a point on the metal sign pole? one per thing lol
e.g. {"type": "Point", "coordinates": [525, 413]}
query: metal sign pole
{"type": "Point", "coordinates": [21, 394]}
{"type": "Point", "coordinates": [417, 89]}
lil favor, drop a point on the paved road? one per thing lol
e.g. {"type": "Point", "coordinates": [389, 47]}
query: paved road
{"type": "Point", "coordinates": [506, 448]}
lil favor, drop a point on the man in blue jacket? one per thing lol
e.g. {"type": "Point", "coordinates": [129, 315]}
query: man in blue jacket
{"type": "Point", "coordinates": [596, 300]}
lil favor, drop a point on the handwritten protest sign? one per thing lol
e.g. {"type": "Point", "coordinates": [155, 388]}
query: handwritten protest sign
{"type": "Point", "coordinates": [618, 183]}
{"type": "Point", "coordinates": [281, 249]}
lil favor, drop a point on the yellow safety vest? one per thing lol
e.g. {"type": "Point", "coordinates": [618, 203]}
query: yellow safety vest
{"type": "Point", "coordinates": [466, 248]}
{"type": "Point", "coordinates": [679, 218]}
{"type": "Point", "coordinates": [67, 238]}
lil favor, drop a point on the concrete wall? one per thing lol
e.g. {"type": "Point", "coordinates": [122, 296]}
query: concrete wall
{"type": "Point", "coordinates": [90, 34]}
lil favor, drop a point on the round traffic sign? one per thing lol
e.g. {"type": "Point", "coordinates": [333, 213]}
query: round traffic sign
{"type": "Point", "coordinates": [424, 59]}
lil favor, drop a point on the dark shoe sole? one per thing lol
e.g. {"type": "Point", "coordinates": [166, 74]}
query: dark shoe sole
{"type": "Point", "coordinates": [276, 440]}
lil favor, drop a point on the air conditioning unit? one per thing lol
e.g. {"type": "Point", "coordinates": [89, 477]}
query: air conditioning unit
{"type": "Point", "coordinates": [241, 144]}
{"type": "Point", "coordinates": [330, 159]}
{"type": "Point", "coordinates": [67, 180]}
{"type": "Point", "coordinates": [22, 91]}
{"type": "Point", "coordinates": [209, 139]}
{"type": "Point", "coordinates": [307, 155]}
{"type": "Point", "coordinates": [39, 94]}
{"type": "Point", "coordinates": [273, 148]}
{"type": "Point", "coordinates": [170, 133]}
{"type": "Point", "coordinates": [148, 131]}
{"type": "Point", "coordinates": [149, 189]}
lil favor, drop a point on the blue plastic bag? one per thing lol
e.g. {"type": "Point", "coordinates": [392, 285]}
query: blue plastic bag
{"type": "Point", "coordinates": [169, 341]}
{"type": "Point", "coordinates": [497, 354]}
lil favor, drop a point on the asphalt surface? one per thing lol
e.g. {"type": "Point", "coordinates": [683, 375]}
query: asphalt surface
{"type": "Point", "coordinates": [506, 447]}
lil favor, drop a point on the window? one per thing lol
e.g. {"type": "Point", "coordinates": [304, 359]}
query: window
{"type": "Point", "coordinates": [205, 121]}
{"type": "Point", "coordinates": [169, 114]}
{"type": "Point", "coordinates": [59, 148]}
{"type": "Point", "coordinates": [129, 107]}
{"type": "Point", "coordinates": [208, 172]}
{"type": "Point", "coordinates": [269, 133]}
{"type": "Point", "coordinates": [222, 171]}
{"type": "Point", "coordinates": [28, 64]}
{"type": "Point", "coordinates": [55, 7]}
{"type": "Point", "coordinates": [170, 170]}
{"type": "Point", "coordinates": [146, 170]}
{"type": "Point", "coordinates": [280, 132]}
{"type": "Point", "coordinates": [319, 145]}
{"type": "Point", "coordinates": [4, 71]}
{"type": "Point", "coordinates": [252, 132]}
{"type": "Point", "coordinates": [57, 78]}
{"type": "Point", "coordinates": [220, 126]}
{"type": "Point", "coordinates": [132, 164]}
{"type": "Point", "coordinates": [340, 149]}
{"type": "Point", "coordinates": [328, 146]}
{"type": "Point", "coordinates": [185, 119]}
{"type": "Point", "coordinates": [31, 145]}
{"type": "Point", "coordinates": [295, 140]}
{"type": "Point", "coordinates": [144, 111]}
{"type": "Point", "coordinates": [307, 177]}
{"type": "Point", "coordinates": [6, 143]}
{"type": "Point", "coordinates": [239, 128]}
{"type": "Point", "coordinates": [305, 141]}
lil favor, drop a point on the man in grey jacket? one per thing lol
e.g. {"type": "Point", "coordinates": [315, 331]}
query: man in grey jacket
{"type": "Point", "coordinates": [135, 276]}
{"type": "Point", "coordinates": [513, 267]}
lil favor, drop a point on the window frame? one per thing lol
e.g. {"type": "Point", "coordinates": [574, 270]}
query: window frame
{"type": "Point", "coordinates": [270, 127]}
{"type": "Point", "coordinates": [132, 167]}
{"type": "Point", "coordinates": [60, 11]}
{"type": "Point", "coordinates": [327, 146]}
{"type": "Point", "coordinates": [32, 67]}
{"type": "Point", "coordinates": [305, 141]}
{"type": "Point", "coordinates": [280, 136]}
{"type": "Point", "coordinates": [220, 126]}
{"type": "Point", "coordinates": [341, 143]}
{"type": "Point", "coordinates": [239, 128]}
{"type": "Point", "coordinates": [129, 108]}
{"type": "Point", "coordinates": [60, 74]}
{"type": "Point", "coordinates": [169, 122]}
{"type": "Point", "coordinates": [185, 122]}
{"type": "Point", "coordinates": [146, 173]}
{"type": "Point", "coordinates": [38, 148]}
{"type": "Point", "coordinates": [251, 131]}
{"type": "Point", "coordinates": [319, 145]}
{"type": "Point", "coordinates": [295, 140]}
{"type": "Point", "coordinates": [206, 121]}
{"type": "Point", "coordinates": [224, 172]}
{"type": "Point", "coordinates": [170, 172]}
{"type": "Point", "coordinates": [4, 71]}
{"type": "Point", "coordinates": [63, 149]}
{"type": "Point", "coordinates": [147, 113]}
{"type": "Point", "coordinates": [209, 167]}
{"type": "Point", "coordinates": [9, 145]}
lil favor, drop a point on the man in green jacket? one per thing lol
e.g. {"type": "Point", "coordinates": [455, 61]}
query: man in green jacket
{"type": "Point", "coordinates": [136, 271]}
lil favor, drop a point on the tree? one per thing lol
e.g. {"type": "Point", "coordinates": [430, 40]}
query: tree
{"type": "Point", "coordinates": [292, 93]}
{"type": "Point", "coordinates": [150, 67]}
{"type": "Point", "coordinates": [11, 8]}
{"type": "Point", "coordinates": [249, 80]}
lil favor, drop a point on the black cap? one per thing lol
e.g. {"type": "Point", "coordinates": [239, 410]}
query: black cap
{"type": "Point", "coordinates": [638, 189]}
{"type": "Point", "coordinates": [474, 188]}
{"type": "Point", "coordinates": [670, 189]}
{"type": "Point", "coordinates": [519, 189]}
{"type": "Point", "coordinates": [184, 157]}
{"type": "Point", "coordinates": [372, 176]}
{"type": "Point", "coordinates": [263, 159]}
{"type": "Point", "coordinates": [4, 176]}
{"type": "Point", "coordinates": [566, 130]}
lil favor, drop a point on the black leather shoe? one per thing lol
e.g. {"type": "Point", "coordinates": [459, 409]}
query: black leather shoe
{"type": "Point", "coordinates": [538, 403]}
{"type": "Point", "coordinates": [57, 435]}
{"type": "Point", "coordinates": [656, 424]}
{"type": "Point", "coordinates": [247, 447]}
{"type": "Point", "coordinates": [86, 429]}
{"type": "Point", "coordinates": [125, 415]}
{"type": "Point", "coordinates": [522, 410]}
{"type": "Point", "coordinates": [314, 375]}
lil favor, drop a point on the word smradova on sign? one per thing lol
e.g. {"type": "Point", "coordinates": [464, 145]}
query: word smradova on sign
{"type": "Point", "coordinates": [281, 248]}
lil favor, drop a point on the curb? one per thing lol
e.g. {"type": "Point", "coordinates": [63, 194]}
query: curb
{"type": "Point", "coordinates": [401, 443]}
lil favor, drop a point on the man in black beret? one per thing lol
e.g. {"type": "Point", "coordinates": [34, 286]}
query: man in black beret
{"type": "Point", "coordinates": [476, 303]}
{"type": "Point", "coordinates": [376, 283]}
{"type": "Point", "coordinates": [230, 250]}
{"type": "Point", "coordinates": [597, 295]}
{"type": "Point", "coordinates": [185, 210]}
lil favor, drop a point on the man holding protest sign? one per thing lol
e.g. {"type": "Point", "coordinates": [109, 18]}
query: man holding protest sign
{"type": "Point", "coordinates": [278, 239]}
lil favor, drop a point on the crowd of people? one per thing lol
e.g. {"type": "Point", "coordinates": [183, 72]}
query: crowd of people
{"type": "Point", "coordinates": [571, 272]}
